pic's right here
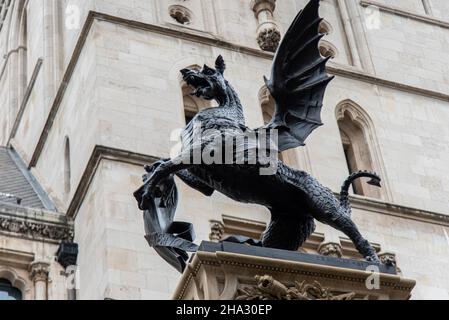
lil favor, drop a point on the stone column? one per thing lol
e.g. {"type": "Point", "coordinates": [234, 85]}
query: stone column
{"type": "Point", "coordinates": [268, 35]}
{"type": "Point", "coordinates": [39, 274]}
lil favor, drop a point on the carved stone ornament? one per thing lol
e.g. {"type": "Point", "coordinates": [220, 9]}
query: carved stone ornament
{"type": "Point", "coordinates": [39, 271]}
{"type": "Point", "coordinates": [268, 288]}
{"type": "Point", "coordinates": [327, 49]}
{"type": "Point", "coordinates": [268, 39]}
{"type": "Point", "coordinates": [216, 231]}
{"type": "Point", "coordinates": [268, 35]}
{"type": "Point", "coordinates": [36, 229]}
{"type": "Point", "coordinates": [181, 14]}
{"type": "Point", "coordinates": [389, 259]}
{"type": "Point", "coordinates": [330, 250]}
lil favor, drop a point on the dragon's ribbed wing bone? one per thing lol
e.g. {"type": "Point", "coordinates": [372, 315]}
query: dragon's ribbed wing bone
{"type": "Point", "coordinates": [298, 80]}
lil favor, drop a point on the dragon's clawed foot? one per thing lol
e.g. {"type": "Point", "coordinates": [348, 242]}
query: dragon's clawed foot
{"type": "Point", "coordinates": [151, 189]}
{"type": "Point", "coordinates": [151, 179]}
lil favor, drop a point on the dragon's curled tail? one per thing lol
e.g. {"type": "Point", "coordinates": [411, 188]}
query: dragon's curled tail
{"type": "Point", "coordinates": [344, 194]}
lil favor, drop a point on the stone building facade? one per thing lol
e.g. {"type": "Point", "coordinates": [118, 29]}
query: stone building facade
{"type": "Point", "coordinates": [90, 91]}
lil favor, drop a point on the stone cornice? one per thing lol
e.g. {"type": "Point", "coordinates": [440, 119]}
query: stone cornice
{"type": "Point", "coordinates": [405, 13]}
{"type": "Point", "coordinates": [355, 74]}
{"type": "Point", "coordinates": [203, 38]}
{"type": "Point", "coordinates": [380, 207]}
{"type": "Point", "coordinates": [357, 202]}
{"type": "Point", "coordinates": [103, 153]}
{"type": "Point", "coordinates": [34, 224]}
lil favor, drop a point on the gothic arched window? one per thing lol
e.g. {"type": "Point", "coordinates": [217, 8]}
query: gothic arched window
{"type": "Point", "coordinates": [8, 292]}
{"type": "Point", "coordinates": [359, 147]}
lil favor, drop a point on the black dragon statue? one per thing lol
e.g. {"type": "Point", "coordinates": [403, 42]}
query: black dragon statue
{"type": "Point", "coordinates": [294, 198]}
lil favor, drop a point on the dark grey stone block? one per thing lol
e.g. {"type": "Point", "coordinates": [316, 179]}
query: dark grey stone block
{"type": "Point", "coordinates": [293, 256]}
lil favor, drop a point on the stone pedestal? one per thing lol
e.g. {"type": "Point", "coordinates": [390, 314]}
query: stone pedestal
{"type": "Point", "coordinates": [228, 271]}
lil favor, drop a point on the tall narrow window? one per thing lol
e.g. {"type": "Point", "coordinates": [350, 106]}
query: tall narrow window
{"type": "Point", "coordinates": [67, 168]}
{"type": "Point", "coordinates": [355, 136]}
{"type": "Point", "coordinates": [8, 292]}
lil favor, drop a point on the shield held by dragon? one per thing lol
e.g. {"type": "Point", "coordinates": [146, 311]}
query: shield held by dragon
{"type": "Point", "coordinates": [294, 198]}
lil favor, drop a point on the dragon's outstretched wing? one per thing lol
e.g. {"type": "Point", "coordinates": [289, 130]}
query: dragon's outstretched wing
{"type": "Point", "coordinates": [298, 80]}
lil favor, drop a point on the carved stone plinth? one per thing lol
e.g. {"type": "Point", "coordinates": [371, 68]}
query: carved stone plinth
{"type": "Point", "coordinates": [228, 271]}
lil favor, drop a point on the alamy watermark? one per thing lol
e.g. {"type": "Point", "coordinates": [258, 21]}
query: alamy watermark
{"type": "Point", "coordinates": [72, 278]}
{"type": "Point", "coordinates": [372, 282]}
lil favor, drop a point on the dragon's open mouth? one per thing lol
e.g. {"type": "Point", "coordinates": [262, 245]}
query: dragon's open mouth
{"type": "Point", "coordinates": [199, 83]}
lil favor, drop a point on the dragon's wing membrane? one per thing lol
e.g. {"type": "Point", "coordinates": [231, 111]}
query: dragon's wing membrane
{"type": "Point", "coordinates": [298, 80]}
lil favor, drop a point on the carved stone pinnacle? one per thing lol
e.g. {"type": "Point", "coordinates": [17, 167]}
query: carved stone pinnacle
{"type": "Point", "coordinates": [260, 5]}
{"type": "Point", "coordinates": [268, 39]}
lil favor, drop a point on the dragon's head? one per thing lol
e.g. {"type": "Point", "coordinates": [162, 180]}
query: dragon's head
{"type": "Point", "coordinates": [208, 83]}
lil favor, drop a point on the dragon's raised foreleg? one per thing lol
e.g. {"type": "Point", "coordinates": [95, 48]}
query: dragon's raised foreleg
{"type": "Point", "coordinates": [194, 183]}
{"type": "Point", "coordinates": [163, 169]}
